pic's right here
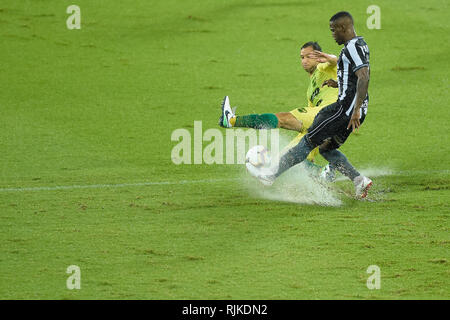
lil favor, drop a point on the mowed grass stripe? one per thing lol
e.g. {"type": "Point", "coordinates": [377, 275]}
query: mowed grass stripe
{"type": "Point", "coordinates": [375, 173]}
{"type": "Point", "coordinates": [119, 185]}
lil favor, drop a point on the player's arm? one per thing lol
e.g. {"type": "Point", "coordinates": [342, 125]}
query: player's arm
{"type": "Point", "coordinates": [330, 83]}
{"type": "Point", "coordinates": [362, 85]}
{"type": "Point", "coordinates": [323, 57]}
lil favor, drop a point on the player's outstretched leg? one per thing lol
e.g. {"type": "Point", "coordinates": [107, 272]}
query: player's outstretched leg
{"type": "Point", "coordinates": [339, 161]}
{"type": "Point", "coordinates": [292, 157]}
{"type": "Point", "coordinates": [282, 120]}
{"type": "Point", "coordinates": [228, 118]}
{"type": "Point", "coordinates": [256, 121]}
{"type": "Point", "coordinates": [286, 120]}
{"type": "Point", "coordinates": [309, 163]}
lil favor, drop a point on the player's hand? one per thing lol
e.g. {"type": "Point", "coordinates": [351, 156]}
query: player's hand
{"type": "Point", "coordinates": [323, 57]}
{"type": "Point", "coordinates": [319, 56]}
{"type": "Point", "coordinates": [354, 120]}
{"type": "Point", "coordinates": [331, 83]}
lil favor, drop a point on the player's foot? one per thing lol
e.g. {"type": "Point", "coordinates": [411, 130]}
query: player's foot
{"type": "Point", "coordinates": [264, 175]}
{"type": "Point", "coordinates": [328, 174]}
{"type": "Point", "coordinates": [362, 186]}
{"type": "Point", "coordinates": [227, 113]}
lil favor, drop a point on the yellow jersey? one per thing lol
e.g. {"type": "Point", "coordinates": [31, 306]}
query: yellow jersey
{"type": "Point", "coordinates": [318, 95]}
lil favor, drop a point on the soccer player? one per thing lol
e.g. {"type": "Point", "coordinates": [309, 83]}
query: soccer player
{"type": "Point", "coordinates": [334, 123]}
{"type": "Point", "coordinates": [321, 68]}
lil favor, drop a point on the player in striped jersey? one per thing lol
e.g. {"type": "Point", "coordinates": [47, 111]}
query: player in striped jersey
{"type": "Point", "coordinates": [334, 123]}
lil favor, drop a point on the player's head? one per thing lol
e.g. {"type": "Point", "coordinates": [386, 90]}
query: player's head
{"type": "Point", "coordinates": [308, 63]}
{"type": "Point", "coordinates": [341, 26]}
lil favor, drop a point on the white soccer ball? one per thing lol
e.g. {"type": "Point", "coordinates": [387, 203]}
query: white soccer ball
{"type": "Point", "coordinates": [258, 156]}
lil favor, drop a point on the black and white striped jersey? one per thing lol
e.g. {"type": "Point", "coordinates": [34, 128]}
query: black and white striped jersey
{"type": "Point", "coordinates": [354, 56]}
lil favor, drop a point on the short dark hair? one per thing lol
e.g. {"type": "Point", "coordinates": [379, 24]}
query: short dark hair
{"type": "Point", "coordinates": [341, 14]}
{"type": "Point", "coordinates": [313, 44]}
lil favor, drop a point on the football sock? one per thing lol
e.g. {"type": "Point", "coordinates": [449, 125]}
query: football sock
{"type": "Point", "coordinates": [294, 156]}
{"type": "Point", "coordinates": [257, 121]}
{"type": "Point", "coordinates": [340, 162]}
{"type": "Point", "coordinates": [312, 166]}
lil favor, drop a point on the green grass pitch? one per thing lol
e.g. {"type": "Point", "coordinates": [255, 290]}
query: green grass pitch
{"type": "Point", "coordinates": [86, 176]}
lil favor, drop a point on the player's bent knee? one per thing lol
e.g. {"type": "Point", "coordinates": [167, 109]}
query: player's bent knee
{"type": "Point", "coordinates": [325, 146]}
{"type": "Point", "coordinates": [328, 145]}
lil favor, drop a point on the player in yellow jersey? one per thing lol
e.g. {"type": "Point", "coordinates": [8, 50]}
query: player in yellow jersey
{"type": "Point", "coordinates": [322, 91]}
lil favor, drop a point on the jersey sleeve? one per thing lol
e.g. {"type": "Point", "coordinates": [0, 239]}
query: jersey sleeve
{"type": "Point", "coordinates": [359, 55]}
{"type": "Point", "coordinates": [325, 66]}
{"type": "Point", "coordinates": [328, 69]}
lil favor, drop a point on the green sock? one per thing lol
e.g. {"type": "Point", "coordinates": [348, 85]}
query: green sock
{"type": "Point", "coordinates": [312, 166]}
{"type": "Point", "coordinates": [257, 121]}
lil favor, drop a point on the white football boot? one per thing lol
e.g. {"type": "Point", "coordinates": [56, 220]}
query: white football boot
{"type": "Point", "coordinates": [264, 175]}
{"type": "Point", "coordinates": [227, 113]}
{"type": "Point", "coordinates": [362, 186]}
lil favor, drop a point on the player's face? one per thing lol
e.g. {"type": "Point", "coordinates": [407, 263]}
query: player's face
{"type": "Point", "coordinates": [308, 63]}
{"type": "Point", "coordinates": [336, 32]}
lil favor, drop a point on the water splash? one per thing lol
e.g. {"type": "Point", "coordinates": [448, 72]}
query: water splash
{"type": "Point", "coordinates": [295, 186]}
